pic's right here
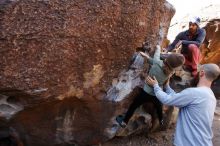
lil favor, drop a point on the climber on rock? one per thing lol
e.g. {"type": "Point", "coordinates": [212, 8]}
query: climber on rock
{"type": "Point", "coordinates": [162, 70]}
{"type": "Point", "coordinates": [190, 41]}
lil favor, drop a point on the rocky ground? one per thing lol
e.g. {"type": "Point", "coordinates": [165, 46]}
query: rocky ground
{"type": "Point", "coordinates": [216, 126]}
{"type": "Point", "coordinates": [163, 138]}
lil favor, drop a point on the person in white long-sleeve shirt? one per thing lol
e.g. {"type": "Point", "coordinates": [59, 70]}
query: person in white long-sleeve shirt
{"type": "Point", "coordinates": [196, 108]}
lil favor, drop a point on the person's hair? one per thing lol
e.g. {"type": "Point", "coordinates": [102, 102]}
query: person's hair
{"type": "Point", "coordinates": [212, 71]}
{"type": "Point", "coordinates": [172, 62]}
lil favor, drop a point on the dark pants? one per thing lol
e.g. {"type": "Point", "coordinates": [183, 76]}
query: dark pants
{"type": "Point", "coordinates": [139, 100]}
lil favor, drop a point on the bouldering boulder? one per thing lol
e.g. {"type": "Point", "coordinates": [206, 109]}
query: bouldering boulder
{"type": "Point", "coordinates": [211, 46]}
{"type": "Point", "coordinates": [62, 61]}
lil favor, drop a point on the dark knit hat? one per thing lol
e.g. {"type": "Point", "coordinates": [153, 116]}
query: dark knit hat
{"type": "Point", "coordinates": [175, 60]}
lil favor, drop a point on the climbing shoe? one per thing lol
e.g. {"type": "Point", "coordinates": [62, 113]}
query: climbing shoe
{"type": "Point", "coordinates": [120, 121]}
{"type": "Point", "coordinates": [161, 123]}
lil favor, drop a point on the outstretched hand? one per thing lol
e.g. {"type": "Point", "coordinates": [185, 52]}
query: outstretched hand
{"type": "Point", "coordinates": [144, 54]}
{"type": "Point", "coordinates": [151, 81]}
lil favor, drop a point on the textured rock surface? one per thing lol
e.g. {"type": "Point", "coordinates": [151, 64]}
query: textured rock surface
{"type": "Point", "coordinates": [211, 47]}
{"type": "Point", "coordinates": [59, 59]}
{"type": "Point", "coordinates": [68, 122]}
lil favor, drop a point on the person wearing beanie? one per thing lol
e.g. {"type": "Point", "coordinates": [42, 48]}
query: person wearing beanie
{"type": "Point", "coordinates": [190, 40]}
{"type": "Point", "coordinates": [162, 70]}
{"type": "Point", "coordinates": [175, 60]}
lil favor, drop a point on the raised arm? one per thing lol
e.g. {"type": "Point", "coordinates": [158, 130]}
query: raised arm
{"type": "Point", "coordinates": [173, 44]}
{"type": "Point", "coordinates": [157, 53]}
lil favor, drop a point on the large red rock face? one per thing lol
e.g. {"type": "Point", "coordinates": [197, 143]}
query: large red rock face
{"type": "Point", "coordinates": [72, 46]}
{"type": "Point", "coordinates": [59, 58]}
{"type": "Point", "coordinates": [71, 121]}
{"type": "Point", "coordinates": [211, 47]}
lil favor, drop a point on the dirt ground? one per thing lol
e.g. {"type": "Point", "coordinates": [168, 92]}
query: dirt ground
{"type": "Point", "coordinates": [163, 138]}
{"type": "Point", "coordinates": [216, 126]}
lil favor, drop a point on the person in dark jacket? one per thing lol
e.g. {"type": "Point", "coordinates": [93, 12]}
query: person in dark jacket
{"type": "Point", "coordinates": [190, 40]}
